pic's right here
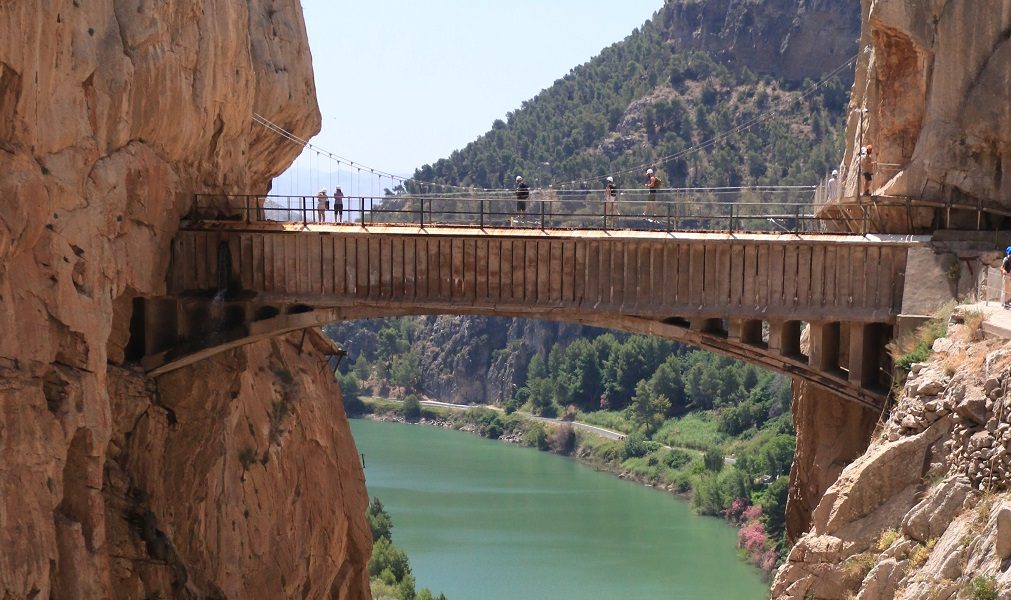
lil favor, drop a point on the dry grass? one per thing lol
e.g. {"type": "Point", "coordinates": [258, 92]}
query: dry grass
{"type": "Point", "coordinates": [922, 553]}
{"type": "Point", "coordinates": [888, 537]}
{"type": "Point", "coordinates": [965, 360]}
{"type": "Point", "coordinates": [859, 565]}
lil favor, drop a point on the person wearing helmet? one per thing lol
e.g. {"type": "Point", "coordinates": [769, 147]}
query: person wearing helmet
{"type": "Point", "coordinates": [867, 166]}
{"type": "Point", "coordinates": [522, 193]}
{"type": "Point", "coordinates": [652, 184]}
{"type": "Point", "coordinates": [610, 199]}
{"type": "Point", "coordinates": [1005, 275]}
{"type": "Point", "coordinates": [322, 204]}
{"type": "Point", "coordinates": [832, 187]}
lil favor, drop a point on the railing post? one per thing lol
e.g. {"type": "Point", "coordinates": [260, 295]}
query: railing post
{"type": "Point", "coordinates": [668, 216]}
{"type": "Point", "coordinates": [421, 211]}
{"type": "Point", "coordinates": [481, 209]}
{"type": "Point", "coordinates": [305, 218]}
{"type": "Point", "coordinates": [361, 208]}
{"type": "Point", "coordinates": [796, 219]}
{"type": "Point", "coordinates": [731, 218]}
{"type": "Point", "coordinates": [542, 214]}
{"type": "Point", "coordinates": [863, 208]}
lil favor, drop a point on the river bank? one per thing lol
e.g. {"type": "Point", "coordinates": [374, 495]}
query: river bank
{"type": "Point", "coordinates": [674, 471]}
{"type": "Point", "coordinates": [584, 453]}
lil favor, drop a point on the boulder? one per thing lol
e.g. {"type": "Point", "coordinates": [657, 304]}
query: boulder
{"type": "Point", "coordinates": [973, 406]}
{"type": "Point", "coordinates": [933, 514]}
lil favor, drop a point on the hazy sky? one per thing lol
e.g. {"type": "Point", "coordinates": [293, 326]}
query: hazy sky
{"type": "Point", "coordinates": [402, 83]}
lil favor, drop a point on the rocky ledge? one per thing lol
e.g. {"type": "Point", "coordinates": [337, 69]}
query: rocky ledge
{"type": "Point", "coordinates": [925, 513]}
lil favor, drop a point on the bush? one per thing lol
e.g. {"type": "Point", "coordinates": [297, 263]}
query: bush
{"type": "Point", "coordinates": [412, 408]}
{"type": "Point", "coordinates": [634, 447]}
{"type": "Point", "coordinates": [713, 459]}
{"type": "Point", "coordinates": [984, 588]}
{"type": "Point", "coordinates": [677, 458]}
{"type": "Point", "coordinates": [563, 440]}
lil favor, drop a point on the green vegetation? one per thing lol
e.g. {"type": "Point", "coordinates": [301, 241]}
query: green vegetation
{"type": "Point", "coordinates": [640, 100]}
{"type": "Point", "coordinates": [984, 588]}
{"type": "Point", "coordinates": [390, 574]}
{"type": "Point", "coordinates": [917, 348]}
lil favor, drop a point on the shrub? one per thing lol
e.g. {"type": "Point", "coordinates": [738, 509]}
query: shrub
{"type": "Point", "coordinates": [634, 447]}
{"type": "Point", "coordinates": [984, 587]}
{"type": "Point", "coordinates": [713, 459]}
{"type": "Point", "coordinates": [247, 456]}
{"type": "Point", "coordinates": [888, 538]}
{"type": "Point", "coordinates": [563, 440]}
{"type": "Point", "coordinates": [677, 458]}
{"type": "Point", "coordinates": [412, 408]}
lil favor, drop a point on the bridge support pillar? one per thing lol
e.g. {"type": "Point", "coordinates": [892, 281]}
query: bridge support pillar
{"type": "Point", "coordinates": [867, 347]}
{"type": "Point", "coordinates": [784, 337]}
{"type": "Point", "coordinates": [824, 346]}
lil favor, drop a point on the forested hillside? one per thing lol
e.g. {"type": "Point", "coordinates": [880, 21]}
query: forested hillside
{"type": "Point", "coordinates": [661, 92]}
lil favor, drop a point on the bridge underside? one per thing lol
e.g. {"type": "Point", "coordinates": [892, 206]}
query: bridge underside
{"type": "Point", "coordinates": [847, 358]}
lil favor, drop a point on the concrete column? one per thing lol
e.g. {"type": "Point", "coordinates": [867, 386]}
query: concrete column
{"type": "Point", "coordinates": [751, 332]}
{"type": "Point", "coordinates": [784, 337]}
{"type": "Point", "coordinates": [824, 346]}
{"type": "Point", "coordinates": [867, 346]}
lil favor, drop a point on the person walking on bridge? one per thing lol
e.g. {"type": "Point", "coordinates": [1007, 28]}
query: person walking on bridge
{"type": "Point", "coordinates": [322, 204]}
{"type": "Point", "coordinates": [522, 194]}
{"type": "Point", "coordinates": [652, 184]}
{"type": "Point", "coordinates": [338, 204]}
{"type": "Point", "coordinates": [1005, 279]}
{"type": "Point", "coordinates": [867, 167]}
{"type": "Point", "coordinates": [610, 199]}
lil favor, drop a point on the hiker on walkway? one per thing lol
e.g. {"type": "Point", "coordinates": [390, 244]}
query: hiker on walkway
{"type": "Point", "coordinates": [832, 188]}
{"type": "Point", "coordinates": [522, 194]}
{"type": "Point", "coordinates": [652, 184]}
{"type": "Point", "coordinates": [338, 204]}
{"type": "Point", "coordinates": [322, 204]}
{"type": "Point", "coordinates": [610, 199]}
{"type": "Point", "coordinates": [867, 167]}
{"type": "Point", "coordinates": [1005, 279]}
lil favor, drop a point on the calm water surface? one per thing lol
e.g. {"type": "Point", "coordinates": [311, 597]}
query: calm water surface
{"type": "Point", "coordinates": [484, 520]}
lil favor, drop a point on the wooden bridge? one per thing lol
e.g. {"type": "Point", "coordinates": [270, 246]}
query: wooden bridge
{"type": "Point", "coordinates": [747, 296]}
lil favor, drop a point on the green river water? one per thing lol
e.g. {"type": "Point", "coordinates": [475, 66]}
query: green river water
{"type": "Point", "coordinates": [484, 520]}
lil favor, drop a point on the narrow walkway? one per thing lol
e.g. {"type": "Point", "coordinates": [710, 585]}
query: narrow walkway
{"type": "Point", "coordinates": [996, 319]}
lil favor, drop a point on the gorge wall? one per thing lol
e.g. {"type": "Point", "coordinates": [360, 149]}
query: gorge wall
{"type": "Point", "coordinates": [931, 93]}
{"type": "Point", "coordinates": [233, 478]}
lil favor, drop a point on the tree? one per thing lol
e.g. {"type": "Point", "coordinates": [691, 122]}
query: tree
{"type": "Point", "coordinates": [379, 520]}
{"type": "Point", "coordinates": [412, 408]}
{"type": "Point", "coordinates": [713, 459]}
{"type": "Point", "coordinates": [648, 409]}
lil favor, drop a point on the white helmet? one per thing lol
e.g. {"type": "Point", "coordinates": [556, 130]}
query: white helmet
{"type": "Point", "coordinates": [649, 171]}
{"type": "Point", "coordinates": [835, 172]}
{"type": "Point", "coordinates": [323, 191]}
{"type": "Point", "coordinates": [610, 179]}
{"type": "Point", "coordinates": [519, 178]}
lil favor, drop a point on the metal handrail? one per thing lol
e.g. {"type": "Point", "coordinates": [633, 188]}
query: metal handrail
{"type": "Point", "coordinates": [667, 210]}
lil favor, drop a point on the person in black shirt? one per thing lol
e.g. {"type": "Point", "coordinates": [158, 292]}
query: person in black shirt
{"type": "Point", "coordinates": [522, 193]}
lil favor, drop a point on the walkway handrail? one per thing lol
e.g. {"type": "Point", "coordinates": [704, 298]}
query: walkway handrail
{"type": "Point", "coordinates": [789, 210]}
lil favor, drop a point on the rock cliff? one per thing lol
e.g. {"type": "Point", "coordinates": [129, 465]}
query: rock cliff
{"type": "Point", "coordinates": [111, 115]}
{"type": "Point", "coordinates": [925, 513]}
{"type": "Point", "coordinates": [931, 94]}
{"type": "Point", "coordinates": [784, 38]}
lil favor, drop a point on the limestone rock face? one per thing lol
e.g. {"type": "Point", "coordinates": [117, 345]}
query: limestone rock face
{"type": "Point", "coordinates": [221, 480]}
{"type": "Point", "coordinates": [831, 433]}
{"type": "Point", "coordinates": [931, 91]}
{"type": "Point", "coordinates": [112, 114]}
{"type": "Point", "coordinates": [923, 514]}
{"type": "Point", "coordinates": [791, 39]}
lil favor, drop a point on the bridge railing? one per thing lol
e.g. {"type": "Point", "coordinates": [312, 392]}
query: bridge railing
{"type": "Point", "coordinates": [723, 209]}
